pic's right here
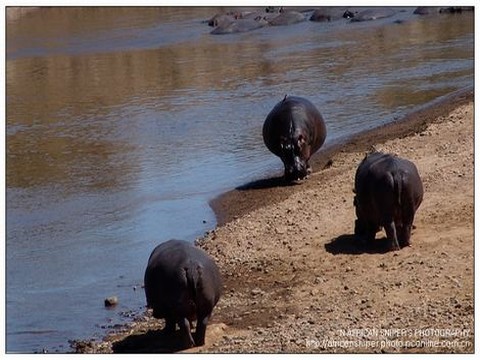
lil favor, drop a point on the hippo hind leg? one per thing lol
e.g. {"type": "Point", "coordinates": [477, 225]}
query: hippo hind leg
{"type": "Point", "coordinates": [201, 330]}
{"type": "Point", "coordinates": [407, 215]}
{"type": "Point", "coordinates": [403, 234]}
{"type": "Point", "coordinates": [405, 230]}
{"type": "Point", "coordinates": [365, 232]}
{"type": "Point", "coordinates": [186, 333]}
{"type": "Point", "coordinates": [170, 325]}
{"type": "Point", "coordinates": [392, 234]}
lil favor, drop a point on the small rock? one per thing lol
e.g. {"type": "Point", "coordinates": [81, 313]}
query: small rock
{"type": "Point", "coordinates": [111, 301]}
{"type": "Point", "coordinates": [256, 291]}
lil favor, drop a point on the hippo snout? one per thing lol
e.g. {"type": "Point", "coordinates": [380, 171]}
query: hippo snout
{"type": "Point", "coordinates": [296, 171]}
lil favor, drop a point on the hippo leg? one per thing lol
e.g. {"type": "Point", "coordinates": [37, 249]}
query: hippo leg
{"type": "Point", "coordinates": [404, 235]}
{"type": "Point", "coordinates": [186, 332]}
{"type": "Point", "coordinates": [170, 324]}
{"type": "Point", "coordinates": [201, 329]}
{"type": "Point", "coordinates": [365, 232]}
{"type": "Point", "coordinates": [392, 234]}
{"type": "Point", "coordinates": [408, 212]}
{"type": "Point", "coordinates": [406, 229]}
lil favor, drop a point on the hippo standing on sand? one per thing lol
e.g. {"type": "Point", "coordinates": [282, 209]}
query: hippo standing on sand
{"type": "Point", "coordinates": [294, 130]}
{"type": "Point", "coordinates": [388, 193]}
{"type": "Point", "coordinates": [182, 284]}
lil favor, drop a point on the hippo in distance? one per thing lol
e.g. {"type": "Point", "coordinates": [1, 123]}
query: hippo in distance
{"type": "Point", "coordinates": [294, 130]}
{"type": "Point", "coordinates": [182, 284]}
{"type": "Point", "coordinates": [388, 192]}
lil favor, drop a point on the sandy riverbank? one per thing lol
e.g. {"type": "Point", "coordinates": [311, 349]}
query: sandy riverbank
{"type": "Point", "coordinates": [295, 279]}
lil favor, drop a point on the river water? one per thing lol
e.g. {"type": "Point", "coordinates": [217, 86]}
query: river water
{"type": "Point", "coordinates": [122, 123]}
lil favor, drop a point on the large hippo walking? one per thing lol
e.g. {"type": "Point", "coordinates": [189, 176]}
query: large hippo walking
{"type": "Point", "coordinates": [294, 130]}
{"type": "Point", "coordinates": [182, 284]}
{"type": "Point", "coordinates": [388, 193]}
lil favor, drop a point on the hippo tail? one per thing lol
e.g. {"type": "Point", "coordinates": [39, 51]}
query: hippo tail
{"type": "Point", "coordinates": [192, 274]}
{"type": "Point", "coordinates": [397, 188]}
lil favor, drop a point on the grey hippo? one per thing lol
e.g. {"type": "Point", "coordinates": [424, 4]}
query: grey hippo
{"type": "Point", "coordinates": [327, 13]}
{"type": "Point", "coordinates": [287, 18]}
{"type": "Point", "coordinates": [239, 22]}
{"type": "Point", "coordinates": [294, 130]}
{"type": "Point", "coordinates": [238, 26]}
{"type": "Point", "coordinates": [373, 14]}
{"type": "Point", "coordinates": [182, 284]}
{"type": "Point", "coordinates": [429, 10]}
{"type": "Point", "coordinates": [388, 192]}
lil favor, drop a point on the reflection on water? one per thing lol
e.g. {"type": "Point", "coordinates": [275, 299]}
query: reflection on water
{"type": "Point", "coordinates": [123, 122]}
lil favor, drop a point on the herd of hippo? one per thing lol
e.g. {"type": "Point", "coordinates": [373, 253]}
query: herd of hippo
{"type": "Point", "coordinates": [182, 282]}
{"type": "Point", "coordinates": [236, 21]}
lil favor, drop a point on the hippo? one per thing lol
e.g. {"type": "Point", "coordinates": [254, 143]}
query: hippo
{"type": "Point", "coordinates": [287, 18]}
{"type": "Point", "coordinates": [220, 19]}
{"type": "Point", "coordinates": [294, 130]}
{"type": "Point", "coordinates": [429, 10]}
{"type": "Point", "coordinates": [182, 284]}
{"type": "Point", "coordinates": [326, 13]}
{"type": "Point", "coordinates": [456, 9]}
{"type": "Point", "coordinates": [388, 192]}
{"type": "Point", "coordinates": [348, 14]}
{"type": "Point", "coordinates": [426, 10]}
{"type": "Point", "coordinates": [238, 26]}
{"type": "Point", "coordinates": [373, 14]}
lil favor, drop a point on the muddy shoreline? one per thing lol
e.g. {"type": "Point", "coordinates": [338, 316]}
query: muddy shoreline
{"type": "Point", "coordinates": [292, 280]}
{"type": "Point", "coordinates": [251, 196]}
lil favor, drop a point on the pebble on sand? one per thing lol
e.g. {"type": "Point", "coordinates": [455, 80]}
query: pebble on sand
{"type": "Point", "coordinates": [111, 301]}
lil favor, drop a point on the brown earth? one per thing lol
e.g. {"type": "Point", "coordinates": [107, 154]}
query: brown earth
{"type": "Point", "coordinates": [297, 281]}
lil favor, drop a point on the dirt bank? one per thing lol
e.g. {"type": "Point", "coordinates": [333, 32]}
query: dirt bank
{"type": "Point", "coordinates": [296, 280]}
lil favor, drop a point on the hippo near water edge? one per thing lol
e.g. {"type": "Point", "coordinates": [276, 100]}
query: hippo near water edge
{"type": "Point", "coordinates": [182, 284]}
{"type": "Point", "coordinates": [388, 192]}
{"type": "Point", "coordinates": [294, 130]}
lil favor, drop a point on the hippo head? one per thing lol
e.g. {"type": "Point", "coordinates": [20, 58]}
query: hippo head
{"type": "Point", "coordinates": [295, 155]}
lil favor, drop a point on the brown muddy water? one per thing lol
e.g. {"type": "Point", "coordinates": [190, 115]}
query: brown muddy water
{"type": "Point", "coordinates": [122, 123]}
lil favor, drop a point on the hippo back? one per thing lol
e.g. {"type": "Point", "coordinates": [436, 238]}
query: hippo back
{"type": "Point", "coordinates": [179, 273]}
{"type": "Point", "coordinates": [374, 169]}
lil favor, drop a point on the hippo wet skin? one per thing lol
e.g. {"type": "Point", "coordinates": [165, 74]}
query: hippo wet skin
{"type": "Point", "coordinates": [182, 284]}
{"type": "Point", "coordinates": [388, 192]}
{"type": "Point", "coordinates": [294, 130]}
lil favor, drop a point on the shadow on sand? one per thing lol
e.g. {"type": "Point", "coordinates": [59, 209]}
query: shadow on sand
{"type": "Point", "coordinates": [273, 182]}
{"type": "Point", "coordinates": [350, 244]}
{"type": "Point", "coordinates": [153, 341]}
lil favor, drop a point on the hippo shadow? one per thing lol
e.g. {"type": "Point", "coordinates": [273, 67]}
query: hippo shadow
{"type": "Point", "coordinates": [273, 182]}
{"type": "Point", "coordinates": [153, 341]}
{"type": "Point", "coordinates": [350, 244]}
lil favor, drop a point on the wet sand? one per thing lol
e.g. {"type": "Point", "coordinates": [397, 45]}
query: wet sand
{"type": "Point", "coordinates": [297, 281]}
